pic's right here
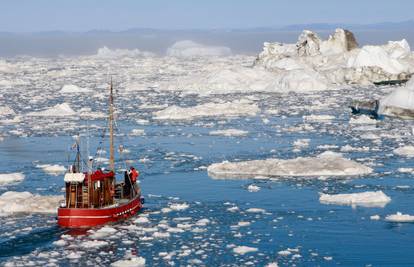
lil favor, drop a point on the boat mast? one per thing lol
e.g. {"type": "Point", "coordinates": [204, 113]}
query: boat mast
{"type": "Point", "coordinates": [111, 129]}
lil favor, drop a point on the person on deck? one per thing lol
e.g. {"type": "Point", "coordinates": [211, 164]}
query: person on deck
{"type": "Point", "coordinates": [133, 175]}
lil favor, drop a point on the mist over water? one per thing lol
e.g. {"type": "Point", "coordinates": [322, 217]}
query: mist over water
{"type": "Point", "coordinates": [51, 44]}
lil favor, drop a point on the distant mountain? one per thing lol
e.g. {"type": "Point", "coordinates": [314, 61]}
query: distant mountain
{"type": "Point", "coordinates": [403, 25]}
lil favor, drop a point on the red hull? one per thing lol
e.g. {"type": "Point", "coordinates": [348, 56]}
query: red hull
{"type": "Point", "coordinates": [81, 218]}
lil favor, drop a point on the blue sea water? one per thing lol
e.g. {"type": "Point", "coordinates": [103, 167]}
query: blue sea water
{"type": "Point", "coordinates": [173, 172]}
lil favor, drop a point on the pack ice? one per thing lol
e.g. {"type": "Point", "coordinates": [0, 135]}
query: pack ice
{"type": "Point", "coordinates": [325, 164]}
{"type": "Point", "coordinates": [26, 202]}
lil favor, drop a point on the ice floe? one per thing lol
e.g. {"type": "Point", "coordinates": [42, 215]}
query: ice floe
{"type": "Point", "coordinates": [53, 169]}
{"type": "Point", "coordinates": [325, 164]}
{"type": "Point", "coordinates": [244, 249]}
{"type": "Point", "coordinates": [364, 199]}
{"type": "Point", "coordinates": [132, 262]}
{"type": "Point", "coordinates": [229, 132]}
{"type": "Point", "coordinates": [25, 202]}
{"type": "Point", "coordinates": [399, 217]}
{"type": "Point", "coordinates": [10, 178]}
{"type": "Point", "coordinates": [406, 151]}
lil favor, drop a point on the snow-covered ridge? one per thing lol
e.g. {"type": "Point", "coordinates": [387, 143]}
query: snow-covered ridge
{"type": "Point", "coordinates": [326, 164]}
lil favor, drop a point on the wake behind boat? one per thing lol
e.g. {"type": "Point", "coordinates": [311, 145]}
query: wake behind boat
{"type": "Point", "coordinates": [93, 197]}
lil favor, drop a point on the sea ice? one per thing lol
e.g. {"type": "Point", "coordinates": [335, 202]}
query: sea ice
{"type": "Point", "coordinates": [25, 202]}
{"type": "Point", "coordinates": [54, 169]}
{"type": "Point", "coordinates": [244, 249]}
{"type": "Point", "coordinates": [59, 110]}
{"type": "Point", "coordinates": [71, 88]}
{"type": "Point", "coordinates": [326, 164]}
{"type": "Point", "coordinates": [407, 151]}
{"type": "Point", "coordinates": [229, 132]}
{"type": "Point", "coordinates": [399, 217]}
{"type": "Point", "coordinates": [227, 109]}
{"type": "Point", "coordinates": [132, 262]}
{"type": "Point", "coordinates": [364, 199]}
{"type": "Point", "coordinates": [9, 178]}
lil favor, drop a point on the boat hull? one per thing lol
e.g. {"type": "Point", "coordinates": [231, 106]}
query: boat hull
{"type": "Point", "coordinates": [85, 218]}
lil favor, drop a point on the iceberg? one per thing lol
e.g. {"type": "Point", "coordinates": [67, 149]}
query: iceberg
{"type": "Point", "coordinates": [59, 110]}
{"type": "Point", "coordinates": [364, 199]}
{"type": "Point", "coordinates": [338, 60]}
{"type": "Point", "coordinates": [399, 103]}
{"type": "Point", "coordinates": [188, 48]}
{"type": "Point", "coordinates": [325, 164]}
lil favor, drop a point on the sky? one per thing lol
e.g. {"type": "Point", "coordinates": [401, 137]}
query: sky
{"type": "Point", "coordinates": [116, 15]}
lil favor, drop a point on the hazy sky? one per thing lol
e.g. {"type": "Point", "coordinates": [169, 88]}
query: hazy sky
{"type": "Point", "coordinates": [84, 15]}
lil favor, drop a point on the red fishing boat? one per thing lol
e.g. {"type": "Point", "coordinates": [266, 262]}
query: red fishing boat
{"type": "Point", "coordinates": [93, 197]}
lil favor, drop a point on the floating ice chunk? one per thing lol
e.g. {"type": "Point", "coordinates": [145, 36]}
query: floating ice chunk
{"type": "Point", "coordinates": [137, 132]}
{"type": "Point", "coordinates": [25, 202]}
{"type": "Point", "coordinates": [348, 148]}
{"type": "Point", "coordinates": [229, 132]}
{"type": "Point", "coordinates": [132, 262]}
{"type": "Point", "coordinates": [160, 235]}
{"type": "Point", "coordinates": [272, 264]}
{"type": "Point", "coordinates": [179, 207]}
{"type": "Point", "coordinates": [363, 119]}
{"type": "Point", "coordinates": [102, 233]}
{"type": "Point", "coordinates": [255, 210]}
{"type": "Point", "coordinates": [188, 48]}
{"type": "Point", "coordinates": [5, 110]}
{"type": "Point", "coordinates": [9, 178]}
{"type": "Point", "coordinates": [406, 170]}
{"type": "Point", "coordinates": [400, 102]}
{"type": "Point", "coordinates": [284, 252]}
{"type": "Point", "coordinates": [71, 88]}
{"type": "Point", "coordinates": [59, 110]}
{"type": "Point", "coordinates": [407, 151]}
{"type": "Point", "coordinates": [375, 217]}
{"type": "Point", "coordinates": [301, 143]}
{"type": "Point", "coordinates": [52, 169]}
{"type": "Point", "coordinates": [243, 224]}
{"type": "Point", "coordinates": [60, 243]}
{"type": "Point", "coordinates": [253, 188]}
{"type": "Point", "coordinates": [364, 199]}
{"type": "Point", "coordinates": [228, 109]}
{"type": "Point", "coordinates": [141, 220]}
{"type": "Point", "coordinates": [399, 217]}
{"type": "Point", "coordinates": [326, 164]}
{"type": "Point", "coordinates": [90, 244]}
{"type": "Point", "coordinates": [244, 249]}
{"type": "Point", "coordinates": [318, 118]}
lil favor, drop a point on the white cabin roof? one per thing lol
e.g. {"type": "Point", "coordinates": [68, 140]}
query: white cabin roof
{"type": "Point", "coordinates": [74, 177]}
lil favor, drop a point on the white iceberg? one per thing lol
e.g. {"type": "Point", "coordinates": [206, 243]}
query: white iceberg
{"type": "Point", "coordinates": [365, 199]}
{"type": "Point", "coordinates": [188, 48]}
{"type": "Point", "coordinates": [400, 102]}
{"type": "Point", "coordinates": [53, 169]}
{"type": "Point", "coordinates": [59, 110]}
{"type": "Point", "coordinates": [326, 164]}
